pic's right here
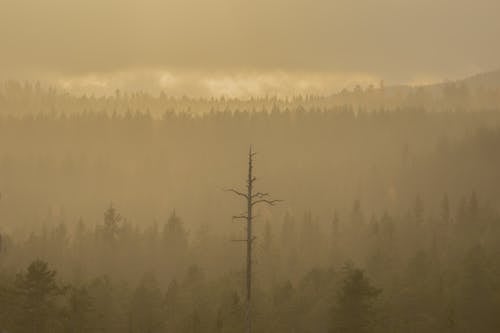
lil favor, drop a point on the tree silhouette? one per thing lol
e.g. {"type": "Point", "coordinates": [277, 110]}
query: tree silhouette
{"type": "Point", "coordinates": [175, 235]}
{"type": "Point", "coordinates": [78, 310]}
{"type": "Point", "coordinates": [112, 221]}
{"type": "Point", "coordinates": [354, 312]}
{"type": "Point", "coordinates": [252, 199]}
{"type": "Point", "coordinates": [38, 290]}
{"type": "Point", "coordinates": [146, 312]}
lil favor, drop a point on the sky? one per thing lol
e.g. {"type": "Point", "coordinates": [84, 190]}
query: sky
{"type": "Point", "coordinates": [239, 47]}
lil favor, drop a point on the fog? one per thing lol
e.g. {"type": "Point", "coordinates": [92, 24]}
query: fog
{"type": "Point", "coordinates": [224, 166]}
{"type": "Point", "coordinates": [397, 41]}
{"type": "Point", "coordinates": [125, 197]}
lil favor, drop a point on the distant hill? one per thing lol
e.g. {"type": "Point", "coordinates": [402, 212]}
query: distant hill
{"type": "Point", "coordinates": [489, 80]}
{"type": "Point", "coordinates": [485, 80]}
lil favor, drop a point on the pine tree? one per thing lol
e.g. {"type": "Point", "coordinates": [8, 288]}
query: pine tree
{"type": "Point", "coordinates": [175, 236]}
{"type": "Point", "coordinates": [146, 310]}
{"type": "Point", "coordinates": [112, 221]}
{"type": "Point", "coordinates": [174, 307]}
{"type": "Point", "coordinates": [357, 217]}
{"type": "Point", "coordinates": [354, 311]}
{"type": "Point", "coordinates": [78, 310]}
{"type": "Point", "coordinates": [38, 290]}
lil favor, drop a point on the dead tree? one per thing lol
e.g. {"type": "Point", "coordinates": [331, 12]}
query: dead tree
{"type": "Point", "coordinates": [252, 199]}
{"type": "Point", "coordinates": [1, 238]}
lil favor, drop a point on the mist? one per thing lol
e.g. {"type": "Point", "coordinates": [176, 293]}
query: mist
{"type": "Point", "coordinates": [397, 41]}
{"type": "Point", "coordinates": [224, 166]}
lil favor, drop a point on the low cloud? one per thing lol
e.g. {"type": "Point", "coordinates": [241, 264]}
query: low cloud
{"type": "Point", "coordinates": [201, 84]}
{"type": "Point", "coordinates": [397, 40]}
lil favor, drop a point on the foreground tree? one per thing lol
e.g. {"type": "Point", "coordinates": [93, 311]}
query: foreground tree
{"type": "Point", "coordinates": [252, 199]}
{"type": "Point", "coordinates": [146, 308]}
{"type": "Point", "coordinates": [79, 309]}
{"type": "Point", "coordinates": [354, 311]}
{"type": "Point", "coordinates": [38, 291]}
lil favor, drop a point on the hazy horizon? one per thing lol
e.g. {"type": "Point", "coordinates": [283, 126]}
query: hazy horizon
{"type": "Point", "coordinates": [237, 49]}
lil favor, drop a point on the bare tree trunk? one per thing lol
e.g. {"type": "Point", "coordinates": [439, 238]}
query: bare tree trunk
{"type": "Point", "coordinates": [250, 181]}
{"type": "Point", "coordinates": [252, 199]}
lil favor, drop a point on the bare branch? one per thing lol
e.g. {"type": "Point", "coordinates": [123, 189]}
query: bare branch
{"type": "Point", "coordinates": [245, 218]}
{"type": "Point", "coordinates": [252, 180]}
{"type": "Point", "coordinates": [269, 202]}
{"type": "Point", "coordinates": [237, 192]}
{"type": "Point", "coordinates": [260, 195]}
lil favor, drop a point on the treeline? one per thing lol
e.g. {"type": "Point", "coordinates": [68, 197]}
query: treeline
{"type": "Point", "coordinates": [36, 301]}
{"type": "Point", "coordinates": [354, 273]}
{"type": "Point", "coordinates": [477, 93]}
{"type": "Point", "coordinates": [316, 160]}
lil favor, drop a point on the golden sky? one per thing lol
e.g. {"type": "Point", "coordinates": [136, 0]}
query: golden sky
{"type": "Point", "coordinates": [314, 43]}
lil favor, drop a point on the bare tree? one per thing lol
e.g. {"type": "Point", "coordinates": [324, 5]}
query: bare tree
{"type": "Point", "coordinates": [1, 237]}
{"type": "Point", "coordinates": [252, 199]}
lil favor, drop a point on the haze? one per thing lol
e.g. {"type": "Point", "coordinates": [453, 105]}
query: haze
{"type": "Point", "coordinates": [282, 166]}
{"type": "Point", "coordinates": [247, 48]}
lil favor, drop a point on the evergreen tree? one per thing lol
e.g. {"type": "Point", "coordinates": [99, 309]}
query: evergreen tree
{"type": "Point", "coordinates": [38, 290]}
{"type": "Point", "coordinates": [357, 217]}
{"type": "Point", "coordinates": [478, 295]}
{"type": "Point", "coordinates": [112, 221]}
{"type": "Point", "coordinates": [354, 311]}
{"type": "Point", "coordinates": [175, 236]}
{"type": "Point", "coordinates": [231, 314]}
{"type": "Point", "coordinates": [104, 315]}
{"type": "Point", "coordinates": [78, 311]}
{"type": "Point", "coordinates": [174, 307]}
{"type": "Point", "coordinates": [146, 309]}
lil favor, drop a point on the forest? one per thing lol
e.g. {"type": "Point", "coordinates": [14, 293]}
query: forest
{"type": "Point", "coordinates": [115, 214]}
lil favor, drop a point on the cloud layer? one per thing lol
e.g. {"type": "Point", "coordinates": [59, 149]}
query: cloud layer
{"type": "Point", "coordinates": [398, 40]}
{"type": "Point", "coordinates": [199, 84]}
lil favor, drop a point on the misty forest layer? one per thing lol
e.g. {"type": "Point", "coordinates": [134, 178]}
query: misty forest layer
{"type": "Point", "coordinates": [114, 218]}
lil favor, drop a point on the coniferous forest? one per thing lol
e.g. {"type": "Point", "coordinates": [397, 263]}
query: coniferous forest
{"type": "Point", "coordinates": [235, 166]}
{"type": "Point", "coordinates": [116, 213]}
